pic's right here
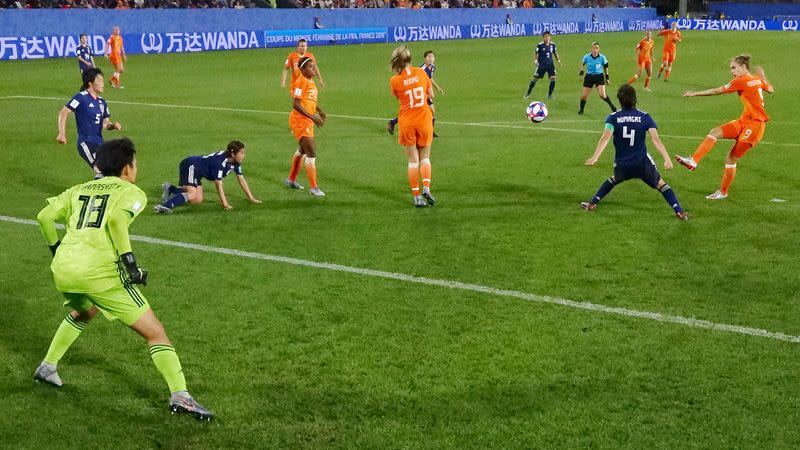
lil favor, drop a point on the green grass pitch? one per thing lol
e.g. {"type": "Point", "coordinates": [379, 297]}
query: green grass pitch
{"type": "Point", "coordinates": [300, 356]}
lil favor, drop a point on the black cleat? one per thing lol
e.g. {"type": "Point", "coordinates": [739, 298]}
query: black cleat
{"type": "Point", "coordinates": [390, 127]}
{"type": "Point", "coordinates": [429, 198]}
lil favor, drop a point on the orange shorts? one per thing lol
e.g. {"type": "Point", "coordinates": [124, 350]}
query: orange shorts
{"type": "Point", "coordinates": [115, 60]}
{"type": "Point", "coordinates": [644, 62]}
{"type": "Point", "coordinates": [415, 134]}
{"type": "Point", "coordinates": [669, 55]}
{"type": "Point", "coordinates": [301, 127]}
{"type": "Point", "coordinates": [744, 130]}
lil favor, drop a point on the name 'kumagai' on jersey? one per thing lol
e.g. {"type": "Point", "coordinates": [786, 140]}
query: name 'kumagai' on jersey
{"type": "Point", "coordinates": [629, 127]}
{"type": "Point", "coordinates": [89, 115]}
{"type": "Point", "coordinates": [86, 260]}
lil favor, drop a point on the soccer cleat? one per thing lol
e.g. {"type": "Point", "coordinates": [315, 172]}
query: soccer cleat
{"type": "Point", "coordinates": [292, 184]}
{"type": "Point", "coordinates": [420, 202]}
{"type": "Point", "coordinates": [687, 162]}
{"type": "Point", "coordinates": [390, 127]}
{"type": "Point", "coordinates": [551, 97]}
{"type": "Point", "coordinates": [682, 216]}
{"type": "Point", "coordinates": [316, 192]}
{"type": "Point", "coordinates": [185, 404]}
{"type": "Point", "coordinates": [429, 198]}
{"type": "Point", "coordinates": [589, 206]}
{"type": "Point", "coordinates": [46, 373]}
{"type": "Point", "coordinates": [435, 135]}
{"type": "Point", "coordinates": [580, 112]}
{"type": "Point", "coordinates": [161, 209]}
{"type": "Point", "coordinates": [648, 89]}
{"type": "Point", "coordinates": [165, 187]}
{"type": "Point", "coordinates": [526, 95]}
{"type": "Point", "coordinates": [717, 195]}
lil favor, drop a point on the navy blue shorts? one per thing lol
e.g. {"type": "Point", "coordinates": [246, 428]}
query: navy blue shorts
{"type": "Point", "coordinates": [88, 152]}
{"type": "Point", "coordinates": [644, 169]}
{"type": "Point", "coordinates": [549, 70]}
{"type": "Point", "coordinates": [188, 173]}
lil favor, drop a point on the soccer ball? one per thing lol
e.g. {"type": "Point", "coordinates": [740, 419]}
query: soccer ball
{"type": "Point", "coordinates": [537, 112]}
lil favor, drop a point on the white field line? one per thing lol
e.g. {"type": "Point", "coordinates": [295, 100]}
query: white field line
{"type": "Point", "coordinates": [593, 307]}
{"type": "Point", "coordinates": [341, 116]}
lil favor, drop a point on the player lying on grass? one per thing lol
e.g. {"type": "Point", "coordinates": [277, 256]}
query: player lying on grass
{"type": "Point", "coordinates": [213, 167]}
{"type": "Point", "coordinates": [95, 270]}
{"type": "Point", "coordinates": [631, 160]}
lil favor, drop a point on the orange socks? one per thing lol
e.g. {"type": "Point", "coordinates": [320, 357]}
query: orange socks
{"type": "Point", "coordinates": [632, 79]}
{"type": "Point", "coordinates": [727, 178]}
{"type": "Point", "coordinates": [666, 75]}
{"type": "Point", "coordinates": [311, 171]}
{"type": "Point", "coordinates": [297, 159]}
{"type": "Point", "coordinates": [704, 147]}
{"type": "Point", "coordinates": [425, 171]}
{"type": "Point", "coordinates": [413, 178]}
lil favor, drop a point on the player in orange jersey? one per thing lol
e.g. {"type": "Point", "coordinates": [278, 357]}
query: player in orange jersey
{"type": "Point", "coordinates": [671, 37]}
{"type": "Point", "coordinates": [294, 59]}
{"type": "Point", "coordinates": [305, 114]}
{"type": "Point", "coordinates": [747, 129]}
{"type": "Point", "coordinates": [115, 52]}
{"type": "Point", "coordinates": [413, 88]}
{"type": "Point", "coordinates": [645, 51]}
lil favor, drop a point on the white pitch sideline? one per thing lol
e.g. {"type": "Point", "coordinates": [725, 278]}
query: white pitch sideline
{"type": "Point", "coordinates": [679, 320]}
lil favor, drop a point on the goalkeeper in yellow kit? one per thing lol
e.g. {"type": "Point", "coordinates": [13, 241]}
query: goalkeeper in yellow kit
{"type": "Point", "coordinates": [94, 268]}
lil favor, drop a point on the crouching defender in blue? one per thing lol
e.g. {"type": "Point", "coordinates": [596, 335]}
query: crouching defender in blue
{"type": "Point", "coordinates": [213, 167]}
{"type": "Point", "coordinates": [629, 126]}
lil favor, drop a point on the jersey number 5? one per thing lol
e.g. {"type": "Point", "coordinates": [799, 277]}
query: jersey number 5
{"type": "Point", "coordinates": [91, 205]}
{"type": "Point", "coordinates": [631, 135]}
{"type": "Point", "coordinates": [416, 97]}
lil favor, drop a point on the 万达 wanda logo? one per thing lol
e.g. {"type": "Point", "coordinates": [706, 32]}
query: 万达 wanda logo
{"type": "Point", "coordinates": [790, 25]}
{"type": "Point", "coordinates": [152, 43]}
{"type": "Point", "coordinates": [400, 34]}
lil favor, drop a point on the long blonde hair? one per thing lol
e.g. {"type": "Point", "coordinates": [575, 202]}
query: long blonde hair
{"type": "Point", "coordinates": [401, 57]}
{"type": "Point", "coordinates": [743, 60]}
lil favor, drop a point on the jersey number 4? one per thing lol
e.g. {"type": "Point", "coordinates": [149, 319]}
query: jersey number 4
{"type": "Point", "coordinates": [631, 135]}
{"type": "Point", "coordinates": [416, 97]}
{"type": "Point", "coordinates": [92, 205]}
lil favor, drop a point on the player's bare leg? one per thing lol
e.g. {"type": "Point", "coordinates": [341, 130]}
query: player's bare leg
{"type": "Point", "coordinates": [648, 67]}
{"type": "Point", "coordinates": [691, 162]}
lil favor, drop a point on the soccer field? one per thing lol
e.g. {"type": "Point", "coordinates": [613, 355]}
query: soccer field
{"type": "Point", "coordinates": [504, 317]}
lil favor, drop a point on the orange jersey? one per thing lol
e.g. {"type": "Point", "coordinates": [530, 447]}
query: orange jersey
{"type": "Point", "coordinates": [115, 44]}
{"type": "Point", "coordinates": [750, 89]}
{"type": "Point", "coordinates": [306, 90]}
{"type": "Point", "coordinates": [645, 48]}
{"type": "Point", "coordinates": [670, 38]}
{"type": "Point", "coordinates": [411, 88]}
{"type": "Point", "coordinates": [293, 59]}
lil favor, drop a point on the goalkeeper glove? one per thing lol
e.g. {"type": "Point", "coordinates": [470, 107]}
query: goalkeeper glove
{"type": "Point", "coordinates": [135, 273]}
{"type": "Point", "coordinates": [54, 247]}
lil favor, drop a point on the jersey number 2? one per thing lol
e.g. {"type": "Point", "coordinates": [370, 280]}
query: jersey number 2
{"type": "Point", "coordinates": [416, 97]}
{"type": "Point", "coordinates": [91, 205]}
{"type": "Point", "coordinates": [631, 135]}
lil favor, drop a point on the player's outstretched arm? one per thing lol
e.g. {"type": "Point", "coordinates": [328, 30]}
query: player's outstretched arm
{"type": "Point", "coordinates": [707, 92]}
{"type": "Point", "coordinates": [661, 148]}
{"type": "Point", "coordinates": [601, 146]}
{"type": "Point", "coordinates": [246, 189]}
{"type": "Point", "coordinates": [47, 218]}
{"type": "Point", "coordinates": [62, 125]}
{"type": "Point", "coordinates": [221, 193]}
{"type": "Point", "coordinates": [118, 231]}
{"type": "Point", "coordinates": [436, 85]}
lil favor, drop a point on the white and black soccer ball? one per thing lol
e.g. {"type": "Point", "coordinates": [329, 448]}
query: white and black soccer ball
{"type": "Point", "coordinates": [537, 112]}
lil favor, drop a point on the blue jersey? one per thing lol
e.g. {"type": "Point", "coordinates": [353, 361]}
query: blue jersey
{"type": "Point", "coordinates": [429, 70]}
{"type": "Point", "coordinates": [630, 129]}
{"type": "Point", "coordinates": [87, 54]}
{"type": "Point", "coordinates": [89, 115]}
{"type": "Point", "coordinates": [214, 166]}
{"type": "Point", "coordinates": [545, 53]}
{"type": "Point", "coordinates": [594, 66]}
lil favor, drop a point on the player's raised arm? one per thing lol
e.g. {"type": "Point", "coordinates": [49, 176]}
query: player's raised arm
{"type": "Point", "coordinates": [763, 76]}
{"type": "Point", "coordinates": [707, 92]}
{"type": "Point", "coordinates": [661, 148]}
{"type": "Point", "coordinates": [601, 146]}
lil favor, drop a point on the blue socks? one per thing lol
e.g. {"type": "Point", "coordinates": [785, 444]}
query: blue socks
{"type": "Point", "coordinates": [670, 197]}
{"type": "Point", "coordinates": [551, 88]}
{"type": "Point", "coordinates": [607, 186]}
{"type": "Point", "coordinates": [176, 200]}
{"type": "Point", "coordinates": [393, 121]}
{"type": "Point", "coordinates": [175, 190]}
